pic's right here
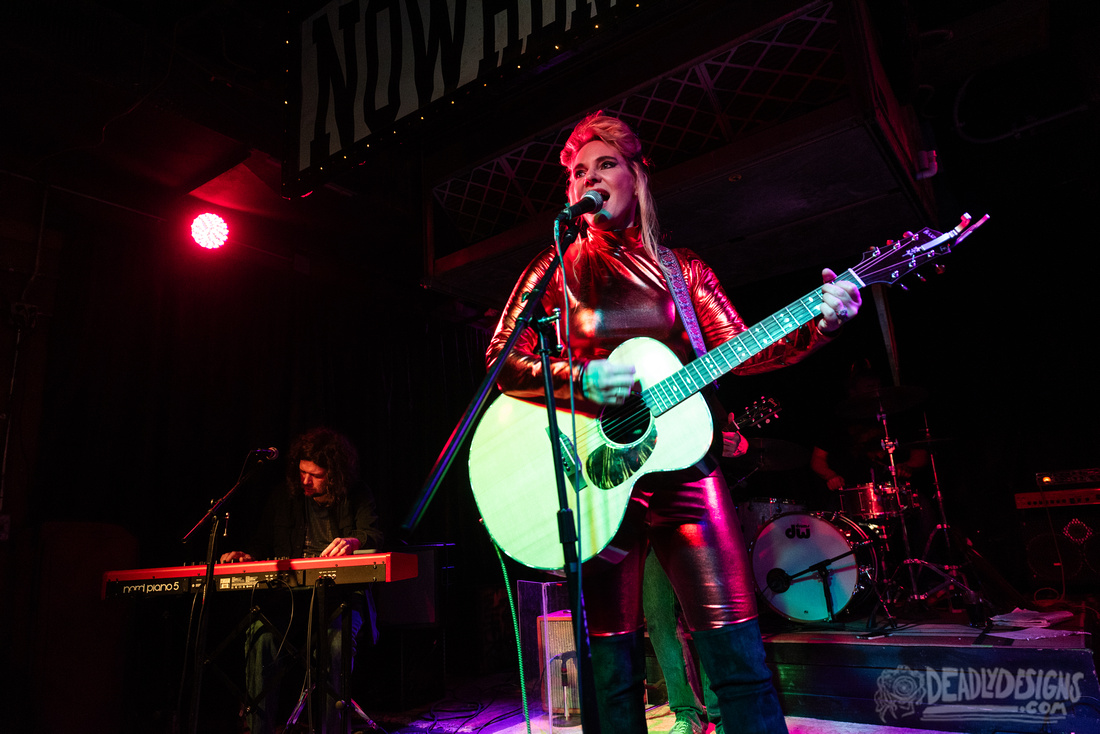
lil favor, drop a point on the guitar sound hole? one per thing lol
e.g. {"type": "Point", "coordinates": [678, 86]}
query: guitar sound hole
{"type": "Point", "coordinates": [627, 423]}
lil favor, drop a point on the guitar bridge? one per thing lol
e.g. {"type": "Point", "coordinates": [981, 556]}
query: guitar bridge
{"type": "Point", "coordinates": [570, 460]}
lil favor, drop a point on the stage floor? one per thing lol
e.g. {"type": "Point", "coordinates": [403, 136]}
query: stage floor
{"type": "Point", "coordinates": [930, 676]}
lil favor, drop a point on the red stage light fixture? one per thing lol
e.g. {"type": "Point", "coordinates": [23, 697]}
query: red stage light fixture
{"type": "Point", "coordinates": [210, 231]}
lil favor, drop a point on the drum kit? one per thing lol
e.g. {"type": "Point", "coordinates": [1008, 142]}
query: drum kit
{"type": "Point", "coordinates": [822, 566]}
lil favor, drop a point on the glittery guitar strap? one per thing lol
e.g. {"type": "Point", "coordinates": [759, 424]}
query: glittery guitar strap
{"type": "Point", "coordinates": [674, 276]}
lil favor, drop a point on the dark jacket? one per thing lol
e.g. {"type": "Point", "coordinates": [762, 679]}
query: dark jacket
{"type": "Point", "coordinates": [281, 531]}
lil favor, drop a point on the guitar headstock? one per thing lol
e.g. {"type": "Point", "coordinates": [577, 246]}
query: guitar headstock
{"type": "Point", "coordinates": [890, 264]}
{"type": "Point", "coordinates": [762, 411]}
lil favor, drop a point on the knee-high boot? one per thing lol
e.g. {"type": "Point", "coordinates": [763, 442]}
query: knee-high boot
{"type": "Point", "coordinates": [618, 672]}
{"type": "Point", "coordinates": [733, 657]}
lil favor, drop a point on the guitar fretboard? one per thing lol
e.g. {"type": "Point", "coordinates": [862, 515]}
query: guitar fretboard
{"type": "Point", "coordinates": [694, 376]}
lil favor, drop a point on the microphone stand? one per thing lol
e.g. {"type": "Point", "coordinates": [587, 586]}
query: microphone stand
{"type": "Point", "coordinates": [779, 580]}
{"type": "Point", "coordinates": [566, 525]}
{"type": "Point", "coordinates": [199, 652]}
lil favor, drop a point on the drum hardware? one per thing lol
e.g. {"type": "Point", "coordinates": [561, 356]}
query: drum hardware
{"type": "Point", "coordinates": [976, 606]}
{"type": "Point", "coordinates": [826, 550]}
{"type": "Point", "coordinates": [779, 581]}
{"type": "Point", "coordinates": [890, 446]}
{"type": "Point", "coordinates": [973, 602]}
{"type": "Point", "coordinates": [951, 575]}
{"type": "Point", "coordinates": [942, 526]}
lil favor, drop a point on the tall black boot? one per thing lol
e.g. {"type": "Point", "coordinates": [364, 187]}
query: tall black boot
{"type": "Point", "coordinates": [618, 672]}
{"type": "Point", "coordinates": [733, 657]}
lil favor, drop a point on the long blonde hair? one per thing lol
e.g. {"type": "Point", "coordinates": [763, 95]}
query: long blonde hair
{"type": "Point", "coordinates": [617, 134]}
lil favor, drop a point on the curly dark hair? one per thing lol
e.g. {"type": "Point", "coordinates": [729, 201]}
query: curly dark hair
{"type": "Point", "coordinates": [329, 450]}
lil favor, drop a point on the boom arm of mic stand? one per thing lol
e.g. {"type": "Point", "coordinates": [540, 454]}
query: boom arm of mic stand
{"type": "Point", "coordinates": [566, 525]}
{"type": "Point", "coordinates": [481, 397]}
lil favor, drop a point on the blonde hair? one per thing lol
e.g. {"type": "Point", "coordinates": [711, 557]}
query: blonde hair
{"type": "Point", "coordinates": [617, 134]}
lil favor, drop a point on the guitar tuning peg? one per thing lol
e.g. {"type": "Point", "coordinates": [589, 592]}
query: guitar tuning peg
{"type": "Point", "coordinates": [921, 278]}
{"type": "Point", "coordinates": [940, 269]}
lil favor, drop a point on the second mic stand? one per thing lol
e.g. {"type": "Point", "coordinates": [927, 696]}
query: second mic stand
{"type": "Point", "coordinates": [214, 516]}
{"type": "Point", "coordinates": [779, 581]}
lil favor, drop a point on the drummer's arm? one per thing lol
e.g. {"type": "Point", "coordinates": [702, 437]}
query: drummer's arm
{"type": "Point", "coordinates": [819, 462]}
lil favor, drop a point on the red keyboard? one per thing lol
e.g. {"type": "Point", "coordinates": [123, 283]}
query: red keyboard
{"type": "Point", "coordinates": [363, 568]}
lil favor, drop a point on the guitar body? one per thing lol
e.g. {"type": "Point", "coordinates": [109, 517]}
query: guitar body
{"type": "Point", "coordinates": [512, 462]}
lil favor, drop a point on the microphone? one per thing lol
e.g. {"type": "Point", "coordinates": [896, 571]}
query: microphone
{"type": "Point", "coordinates": [269, 454]}
{"type": "Point", "coordinates": [778, 580]}
{"type": "Point", "coordinates": [592, 201]}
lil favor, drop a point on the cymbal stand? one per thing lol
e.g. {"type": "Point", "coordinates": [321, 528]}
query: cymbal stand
{"type": "Point", "coordinates": [890, 446]}
{"type": "Point", "coordinates": [952, 573]}
{"type": "Point", "coordinates": [758, 467]}
{"type": "Point", "coordinates": [943, 525]}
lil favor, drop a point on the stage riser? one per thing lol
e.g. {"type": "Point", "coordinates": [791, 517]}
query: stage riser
{"type": "Point", "coordinates": [918, 686]}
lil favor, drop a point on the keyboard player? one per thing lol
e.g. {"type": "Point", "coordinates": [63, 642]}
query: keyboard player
{"type": "Point", "coordinates": [320, 512]}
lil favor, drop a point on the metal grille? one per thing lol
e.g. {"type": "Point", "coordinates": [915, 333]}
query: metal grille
{"type": "Point", "coordinates": [782, 74]}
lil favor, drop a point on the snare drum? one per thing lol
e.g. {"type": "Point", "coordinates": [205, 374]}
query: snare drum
{"type": "Point", "coordinates": [874, 501]}
{"type": "Point", "coordinates": [757, 512]}
{"type": "Point", "coordinates": [792, 543]}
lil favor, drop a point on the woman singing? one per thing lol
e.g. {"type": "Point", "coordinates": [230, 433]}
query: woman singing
{"type": "Point", "coordinates": [612, 287]}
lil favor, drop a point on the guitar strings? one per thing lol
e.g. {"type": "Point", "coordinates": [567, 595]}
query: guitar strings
{"type": "Point", "coordinates": [633, 417]}
{"type": "Point", "coordinates": [629, 417]}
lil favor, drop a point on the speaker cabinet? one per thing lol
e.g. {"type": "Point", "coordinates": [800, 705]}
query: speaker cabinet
{"type": "Point", "coordinates": [557, 653]}
{"type": "Point", "coordinates": [1062, 542]}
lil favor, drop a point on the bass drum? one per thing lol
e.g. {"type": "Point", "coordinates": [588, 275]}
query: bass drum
{"type": "Point", "coordinates": [792, 543]}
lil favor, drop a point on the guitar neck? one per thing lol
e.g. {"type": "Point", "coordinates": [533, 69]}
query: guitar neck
{"type": "Point", "coordinates": [880, 266]}
{"type": "Point", "coordinates": [694, 376]}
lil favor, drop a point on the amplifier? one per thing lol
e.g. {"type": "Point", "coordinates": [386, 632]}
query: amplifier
{"type": "Point", "coordinates": [1058, 498]}
{"type": "Point", "coordinates": [558, 661]}
{"type": "Point", "coordinates": [1061, 533]}
{"type": "Point", "coordinates": [1072, 476]}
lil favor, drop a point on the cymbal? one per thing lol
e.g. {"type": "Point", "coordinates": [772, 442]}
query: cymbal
{"type": "Point", "coordinates": [886, 400]}
{"type": "Point", "coordinates": [773, 454]}
{"type": "Point", "coordinates": [922, 442]}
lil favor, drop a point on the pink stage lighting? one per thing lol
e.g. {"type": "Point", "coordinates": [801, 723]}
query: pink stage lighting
{"type": "Point", "coordinates": [210, 231]}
